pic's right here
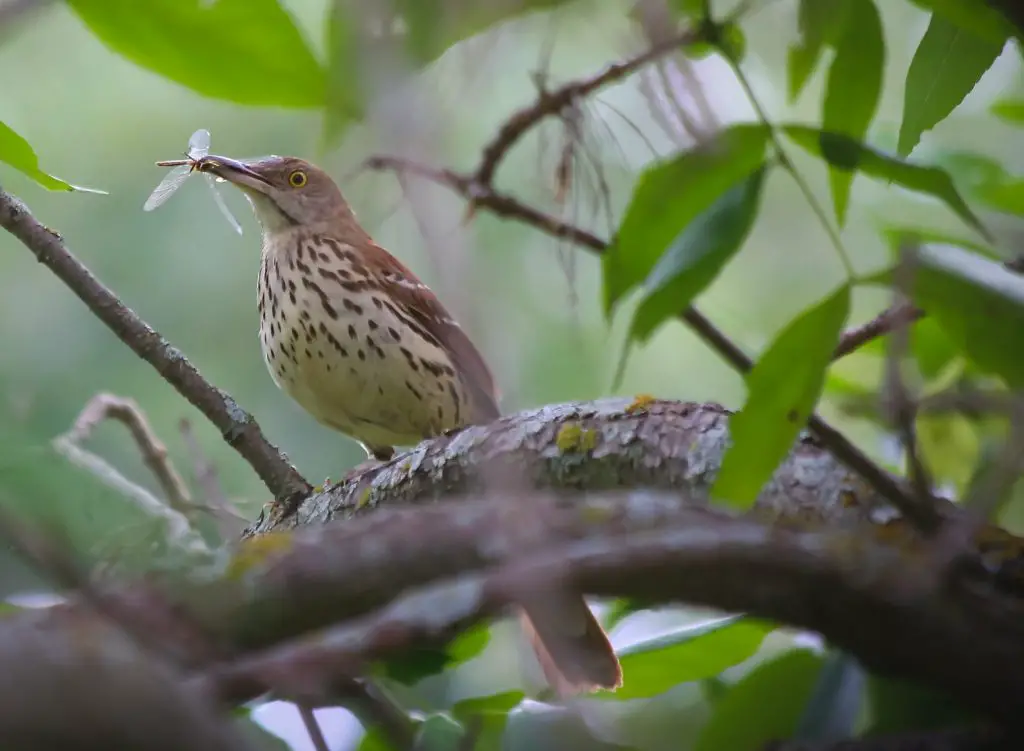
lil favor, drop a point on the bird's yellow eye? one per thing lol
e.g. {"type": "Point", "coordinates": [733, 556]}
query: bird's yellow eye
{"type": "Point", "coordinates": [297, 179]}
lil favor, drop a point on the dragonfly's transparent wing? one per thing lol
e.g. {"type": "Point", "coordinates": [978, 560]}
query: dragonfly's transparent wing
{"type": "Point", "coordinates": [199, 144]}
{"type": "Point", "coordinates": [219, 200]}
{"type": "Point", "coordinates": [172, 180]}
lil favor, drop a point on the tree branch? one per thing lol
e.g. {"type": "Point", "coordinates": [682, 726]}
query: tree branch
{"type": "Point", "coordinates": [237, 426]}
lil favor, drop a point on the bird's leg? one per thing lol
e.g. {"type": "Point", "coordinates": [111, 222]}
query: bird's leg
{"type": "Point", "coordinates": [375, 457]}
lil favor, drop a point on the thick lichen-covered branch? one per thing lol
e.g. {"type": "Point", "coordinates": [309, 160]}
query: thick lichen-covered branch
{"type": "Point", "coordinates": [600, 445]}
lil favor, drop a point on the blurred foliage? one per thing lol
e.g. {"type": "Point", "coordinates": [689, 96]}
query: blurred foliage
{"type": "Point", "coordinates": [693, 221]}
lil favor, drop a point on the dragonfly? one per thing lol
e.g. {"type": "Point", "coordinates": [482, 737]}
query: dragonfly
{"type": "Point", "coordinates": [198, 148]}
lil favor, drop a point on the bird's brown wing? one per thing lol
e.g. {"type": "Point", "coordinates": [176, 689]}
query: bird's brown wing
{"type": "Point", "coordinates": [427, 313]}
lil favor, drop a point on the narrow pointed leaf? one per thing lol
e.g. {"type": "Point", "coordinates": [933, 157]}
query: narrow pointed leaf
{"type": "Point", "coordinates": [669, 196]}
{"type": "Point", "coordinates": [244, 51]}
{"type": "Point", "coordinates": [691, 653]}
{"type": "Point", "coordinates": [18, 153]}
{"type": "Point", "coordinates": [782, 389]}
{"type": "Point", "coordinates": [978, 303]}
{"type": "Point", "coordinates": [764, 706]}
{"type": "Point", "coordinates": [854, 88]}
{"type": "Point", "coordinates": [819, 25]}
{"type": "Point", "coordinates": [947, 64]}
{"type": "Point", "coordinates": [845, 153]}
{"type": "Point", "coordinates": [697, 255]}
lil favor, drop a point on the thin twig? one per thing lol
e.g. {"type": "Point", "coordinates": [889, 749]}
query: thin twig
{"type": "Point", "coordinates": [237, 426]}
{"type": "Point", "coordinates": [886, 322]}
{"type": "Point", "coordinates": [899, 404]}
{"type": "Point", "coordinates": [104, 407]}
{"type": "Point", "coordinates": [316, 733]}
{"type": "Point", "coordinates": [550, 103]}
{"type": "Point", "coordinates": [229, 521]}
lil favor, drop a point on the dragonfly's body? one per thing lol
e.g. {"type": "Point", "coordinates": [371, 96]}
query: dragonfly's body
{"type": "Point", "coordinates": [198, 148]}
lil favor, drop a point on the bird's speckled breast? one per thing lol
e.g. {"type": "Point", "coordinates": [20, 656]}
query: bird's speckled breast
{"type": "Point", "coordinates": [335, 343]}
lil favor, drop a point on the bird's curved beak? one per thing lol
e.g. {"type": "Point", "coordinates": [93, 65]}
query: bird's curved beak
{"type": "Point", "coordinates": [239, 173]}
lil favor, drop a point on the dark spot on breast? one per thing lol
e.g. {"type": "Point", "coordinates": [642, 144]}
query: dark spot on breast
{"type": "Point", "coordinates": [328, 274]}
{"type": "Point", "coordinates": [372, 324]}
{"type": "Point", "coordinates": [377, 303]}
{"type": "Point", "coordinates": [394, 334]}
{"type": "Point", "coordinates": [435, 369]}
{"type": "Point", "coordinates": [412, 360]}
{"type": "Point", "coordinates": [352, 332]}
{"type": "Point", "coordinates": [309, 355]}
{"type": "Point", "coordinates": [361, 355]}
{"type": "Point", "coordinates": [349, 305]}
{"type": "Point", "coordinates": [456, 401]}
{"type": "Point", "coordinates": [380, 390]}
{"type": "Point", "coordinates": [413, 391]}
{"type": "Point", "coordinates": [291, 298]}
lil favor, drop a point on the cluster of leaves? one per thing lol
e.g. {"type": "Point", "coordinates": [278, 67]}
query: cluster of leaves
{"type": "Point", "coordinates": [673, 255]}
{"type": "Point", "coordinates": [688, 216]}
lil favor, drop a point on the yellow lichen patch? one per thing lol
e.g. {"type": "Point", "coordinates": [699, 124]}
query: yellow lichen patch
{"type": "Point", "coordinates": [640, 403]}
{"type": "Point", "coordinates": [593, 514]}
{"type": "Point", "coordinates": [256, 550]}
{"type": "Point", "coordinates": [364, 498]}
{"type": "Point", "coordinates": [572, 438]}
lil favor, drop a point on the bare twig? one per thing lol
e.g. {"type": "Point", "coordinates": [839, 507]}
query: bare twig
{"type": "Point", "coordinates": [899, 404]}
{"type": "Point", "coordinates": [238, 427]}
{"type": "Point", "coordinates": [316, 734]}
{"type": "Point", "coordinates": [550, 103]}
{"type": "Point", "coordinates": [179, 529]}
{"type": "Point", "coordinates": [110, 407]}
{"type": "Point", "coordinates": [886, 322]}
{"type": "Point", "coordinates": [228, 519]}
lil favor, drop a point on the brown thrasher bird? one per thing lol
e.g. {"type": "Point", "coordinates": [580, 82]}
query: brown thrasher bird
{"type": "Point", "coordinates": [366, 348]}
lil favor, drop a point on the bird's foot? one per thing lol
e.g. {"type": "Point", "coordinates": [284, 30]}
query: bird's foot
{"type": "Point", "coordinates": [361, 469]}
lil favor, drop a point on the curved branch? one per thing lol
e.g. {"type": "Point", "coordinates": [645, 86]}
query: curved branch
{"type": "Point", "coordinates": [237, 426]}
{"type": "Point", "coordinates": [605, 444]}
{"type": "Point", "coordinates": [901, 609]}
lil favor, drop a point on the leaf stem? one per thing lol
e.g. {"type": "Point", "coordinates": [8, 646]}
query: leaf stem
{"type": "Point", "coordinates": [787, 164]}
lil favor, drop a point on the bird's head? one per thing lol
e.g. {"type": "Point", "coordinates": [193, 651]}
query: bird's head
{"type": "Point", "coordinates": [285, 192]}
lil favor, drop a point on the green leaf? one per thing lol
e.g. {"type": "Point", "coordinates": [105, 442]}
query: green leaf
{"type": "Point", "coordinates": [978, 303]}
{"type": "Point", "coordinates": [691, 653]}
{"type": "Point", "coordinates": [1006, 196]}
{"type": "Point", "coordinates": [503, 703]}
{"type": "Point", "coordinates": [765, 706]}
{"type": "Point", "coordinates": [375, 740]}
{"type": "Point", "coordinates": [244, 51]}
{"type": "Point", "coordinates": [435, 25]}
{"type": "Point", "coordinates": [669, 196]}
{"type": "Point", "coordinates": [820, 25]}
{"type": "Point", "coordinates": [947, 64]}
{"type": "Point", "coordinates": [16, 151]}
{"type": "Point", "coordinates": [854, 87]}
{"type": "Point", "coordinates": [782, 389]}
{"type": "Point", "coordinates": [835, 703]}
{"type": "Point", "coordinates": [414, 665]}
{"type": "Point", "coordinates": [845, 153]}
{"type": "Point", "coordinates": [979, 18]}
{"type": "Point", "coordinates": [1010, 110]}
{"type": "Point", "coordinates": [697, 255]}
{"type": "Point", "coordinates": [344, 96]}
